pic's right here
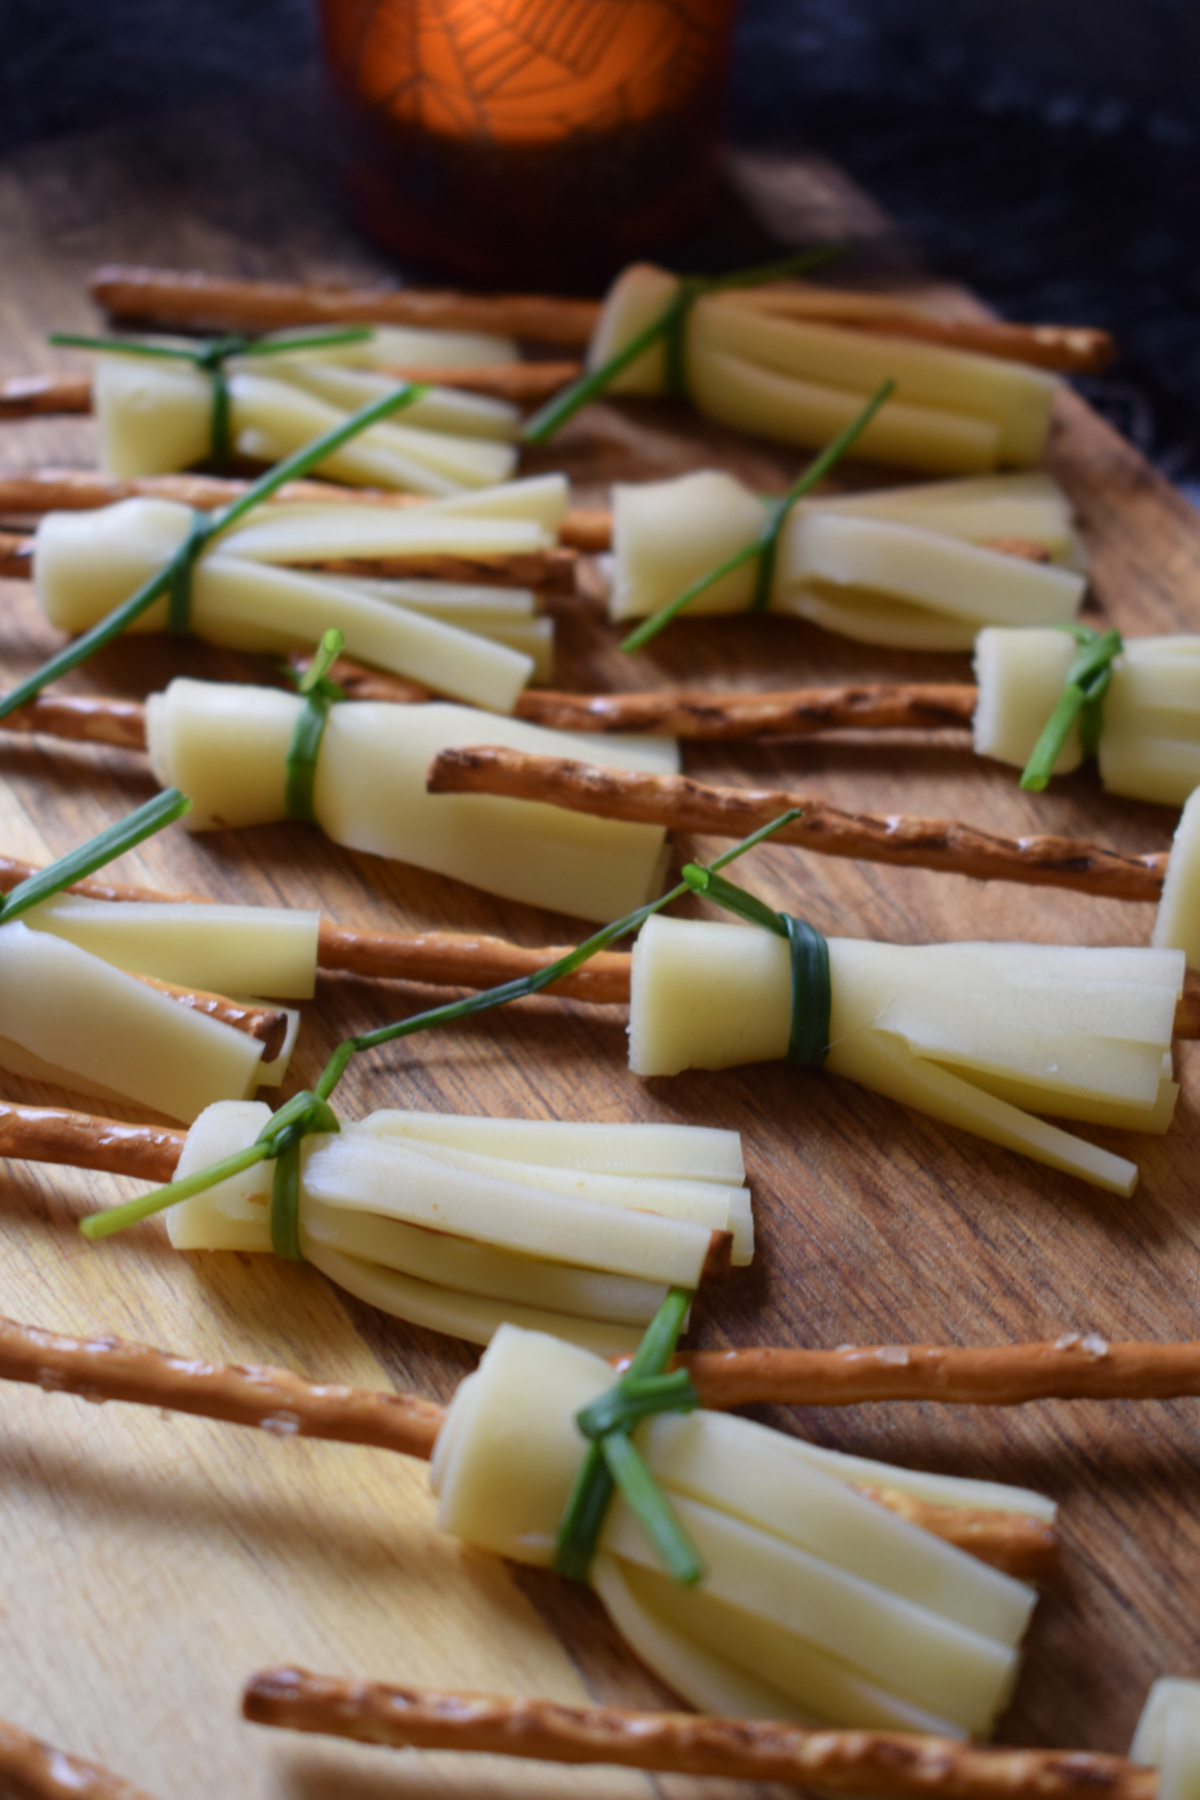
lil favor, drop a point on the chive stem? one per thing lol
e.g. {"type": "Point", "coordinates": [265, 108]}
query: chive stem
{"type": "Point", "coordinates": [104, 848]}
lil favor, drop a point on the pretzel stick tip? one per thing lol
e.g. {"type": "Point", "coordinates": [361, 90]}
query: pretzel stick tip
{"type": "Point", "coordinates": [900, 1765]}
{"type": "Point", "coordinates": [273, 1399]}
{"type": "Point", "coordinates": [33, 1770]}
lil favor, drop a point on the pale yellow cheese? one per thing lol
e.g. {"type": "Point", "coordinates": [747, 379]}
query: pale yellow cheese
{"type": "Point", "coordinates": [68, 1017]}
{"type": "Point", "coordinates": [1177, 923]}
{"type": "Point", "coordinates": [1167, 1738]}
{"type": "Point", "coordinates": [1027, 504]}
{"type": "Point", "coordinates": [801, 379]}
{"type": "Point", "coordinates": [1020, 677]}
{"type": "Point", "coordinates": [686, 1639]}
{"type": "Point", "coordinates": [454, 410]}
{"type": "Point", "coordinates": [89, 562]}
{"type": "Point", "coordinates": [679, 1152]}
{"type": "Point", "coordinates": [882, 579]}
{"type": "Point", "coordinates": [404, 346]}
{"type": "Point", "coordinates": [225, 949]}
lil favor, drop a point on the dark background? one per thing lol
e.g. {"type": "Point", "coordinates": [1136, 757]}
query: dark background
{"type": "Point", "coordinates": [1045, 151]}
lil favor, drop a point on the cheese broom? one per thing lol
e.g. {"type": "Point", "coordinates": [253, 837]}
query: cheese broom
{"type": "Point", "coordinates": [867, 1613]}
{"type": "Point", "coordinates": [100, 1018]}
{"type": "Point", "coordinates": [410, 591]}
{"type": "Point", "coordinates": [1163, 1763]}
{"type": "Point", "coordinates": [163, 404]}
{"type": "Point", "coordinates": [921, 567]}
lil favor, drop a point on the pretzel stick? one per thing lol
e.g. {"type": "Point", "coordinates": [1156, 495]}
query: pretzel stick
{"type": "Point", "coordinates": [275, 1399]}
{"type": "Point", "coordinates": [83, 718]}
{"type": "Point", "coordinates": [16, 555]}
{"type": "Point", "coordinates": [439, 958]}
{"type": "Point", "coordinates": [1073, 349]}
{"type": "Point", "coordinates": [681, 804]}
{"type": "Point", "coordinates": [902, 1765]}
{"type": "Point", "coordinates": [32, 1770]}
{"type": "Point", "coordinates": [261, 1395]}
{"type": "Point", "coordinates": [929, 706]}
{"type": "Point", "coordinates": [226, 304]}
{"type": "Point", "coordinates": [516, 381]}
{"type": "Point", "coordinates": [37, 491]}
{"type": "Point", "coordinates": [53, 1134]}
{"type": "Point", "coordinates": [1070, 1368]}
{"type": "Point", "coordinates": [27, 396]}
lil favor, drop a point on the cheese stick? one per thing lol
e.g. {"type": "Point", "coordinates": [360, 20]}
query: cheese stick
{"type": "Point", "coordinates": [459, 1225]}
{"type": "Point", "coordinates": [70, 1018]}
{"type": "Point", "coordinates": [1167, 1737]}
{"type": "Point", "coordinates": [981, 1036]}
{"type": "Point", "coordinates": [972, 1516]}
{"type": "Point", "coordinates": [803, 380]}
{"type": "Point", "coordinates": [893, 568]}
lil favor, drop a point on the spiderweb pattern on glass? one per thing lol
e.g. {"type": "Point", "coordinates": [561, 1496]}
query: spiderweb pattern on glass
{"type": "Point", "coordinates": [529, 70]}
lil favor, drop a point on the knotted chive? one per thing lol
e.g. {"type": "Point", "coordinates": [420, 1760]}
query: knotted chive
{"type": "Point", "coordinates": [178, 567]}
{"type": "Point", "coordinates": [304, 1109]}
{"type": "Point", "coordinates": [766, 545]}
{"type": "Point", "coordinates": [668, 327]}
{"type": "Point", "coordinates": [319, 693]}
{"type": "Point", "coordinates": [812, 987]}
{"type": "Point", "coordinates": [1082, 699]}
{"type": "Point", "coordinates": [211, 356]}
{"type": "Point", "coordinates": [613, 1461]}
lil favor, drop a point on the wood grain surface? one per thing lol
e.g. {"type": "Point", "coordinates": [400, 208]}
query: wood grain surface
{"type": "Point", "coordinates": [152, 1563]}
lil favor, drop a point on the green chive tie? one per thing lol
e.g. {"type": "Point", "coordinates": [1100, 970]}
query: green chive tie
{"type": "Point", "coordinates": [613, 1461]}
{"type": "Point", "coordinates": [1082, 699]}
{"type": "Point", "coordinates": [812, 988]}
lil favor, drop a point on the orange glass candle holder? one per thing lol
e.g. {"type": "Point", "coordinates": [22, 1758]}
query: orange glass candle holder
{"type": "Point", "coordinates": [537, 141]}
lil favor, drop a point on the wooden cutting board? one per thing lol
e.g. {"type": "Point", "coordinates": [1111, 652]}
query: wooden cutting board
{"type": "Point", "coordinates": [151, 1563]}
